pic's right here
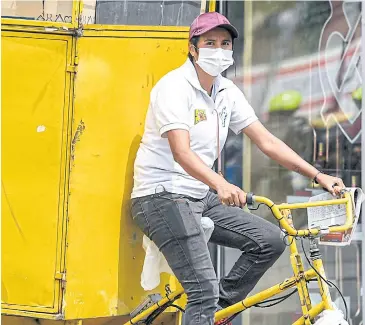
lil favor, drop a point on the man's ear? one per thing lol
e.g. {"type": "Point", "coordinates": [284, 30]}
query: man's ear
{"type": "Point", "coordinates": [192, 51]}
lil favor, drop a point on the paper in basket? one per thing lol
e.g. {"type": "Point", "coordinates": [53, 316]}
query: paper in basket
{"type": "Point", "coordinates": [335, 215]}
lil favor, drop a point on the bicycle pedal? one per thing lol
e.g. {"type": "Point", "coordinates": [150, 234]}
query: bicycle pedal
{"type": "Point", "coordinates": [147, 303]}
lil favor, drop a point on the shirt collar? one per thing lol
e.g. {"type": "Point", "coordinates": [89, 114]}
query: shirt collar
{"type": "Point", "coordinates": [191, 75]}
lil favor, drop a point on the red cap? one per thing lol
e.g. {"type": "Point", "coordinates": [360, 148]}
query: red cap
{"type": "Point", "coordinates": [208, 21]}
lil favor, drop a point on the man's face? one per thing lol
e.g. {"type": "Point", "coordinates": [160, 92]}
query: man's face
{"type": "Point", "coordinates": [214, 39]}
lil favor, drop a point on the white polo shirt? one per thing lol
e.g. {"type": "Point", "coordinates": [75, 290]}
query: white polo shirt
{"type": "Point", "coordinates": [179, 102]}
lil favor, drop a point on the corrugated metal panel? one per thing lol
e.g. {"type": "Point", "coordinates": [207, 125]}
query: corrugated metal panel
{"type": "Point", "coordinates": [150, 13]}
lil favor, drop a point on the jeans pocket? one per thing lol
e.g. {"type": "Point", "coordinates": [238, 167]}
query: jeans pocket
{"type": "Point", "coordinates": [139, 217]}
{"type": "Point", "coordinates": [179, 217]}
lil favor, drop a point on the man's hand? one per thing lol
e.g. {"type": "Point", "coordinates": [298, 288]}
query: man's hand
{"type": "Point", "coordinates": [334, 185]}
{"type": "Point", "coordinates": [230, 194]}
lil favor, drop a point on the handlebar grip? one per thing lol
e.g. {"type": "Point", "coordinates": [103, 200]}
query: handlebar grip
{"type": "Point", "coordinates": [249, 198]}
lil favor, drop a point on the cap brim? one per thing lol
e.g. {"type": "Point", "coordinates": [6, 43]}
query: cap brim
{"type": "Point", "coordinates": [231, 29]}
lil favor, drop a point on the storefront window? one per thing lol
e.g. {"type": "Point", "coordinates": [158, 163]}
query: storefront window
{"type": "Point", "coordinates": [299, 66]}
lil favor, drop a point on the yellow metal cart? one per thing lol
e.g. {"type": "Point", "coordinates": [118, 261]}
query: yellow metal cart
{"type": "Point", "coordinates": [73, 109]}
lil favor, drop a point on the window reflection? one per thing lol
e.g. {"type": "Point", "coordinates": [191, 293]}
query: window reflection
{"type": "Point", "coordinates": [303, 79]}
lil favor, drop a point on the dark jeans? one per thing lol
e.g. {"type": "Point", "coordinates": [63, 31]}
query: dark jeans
{"type": "Point", "coordinates": [172, 222]}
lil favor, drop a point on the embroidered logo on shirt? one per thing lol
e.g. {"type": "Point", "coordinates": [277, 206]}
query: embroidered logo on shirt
{"type": "Point", "coordinates": [223, 116]}
{"type": "Point", "coordinates": [200, 115]}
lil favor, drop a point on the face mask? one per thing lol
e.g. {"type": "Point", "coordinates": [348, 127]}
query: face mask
{"type": "Point", "coordinates": [214, 61]}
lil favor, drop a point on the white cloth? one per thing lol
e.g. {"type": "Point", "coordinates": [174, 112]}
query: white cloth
{"type": "Point", "coordinates": [178, 101]}
{"type": "Point", "coordinates": [331, 317]}
{"type": "Point", "coordinates": [155, 263]}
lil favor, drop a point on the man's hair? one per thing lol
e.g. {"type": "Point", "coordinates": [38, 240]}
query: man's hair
{"type": "Point", "coordinates": [194, 41]}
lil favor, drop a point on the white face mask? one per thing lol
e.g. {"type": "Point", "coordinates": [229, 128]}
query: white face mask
{"type": "Point", "coordinates": [214, 61]}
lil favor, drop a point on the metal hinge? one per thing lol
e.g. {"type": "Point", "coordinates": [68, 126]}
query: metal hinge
{"type": "Point", "coordinates": [71, 68]}
{"type": "Point", "coordinates": [62, 277]}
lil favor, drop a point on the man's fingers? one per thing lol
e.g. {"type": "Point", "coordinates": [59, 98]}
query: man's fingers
{"type": "Point", "coordinates": [227, 200]}
{"type": "Point", "coordinates": [341, 183]}
{"type": "Point", "coordinates": [242, 198]}
{"type": "Point", "coordinates": [236, 200]}
{"type": "Point", "coordinates": [337, 189]}
{"type": "Point", "coordinates": [230, 200]}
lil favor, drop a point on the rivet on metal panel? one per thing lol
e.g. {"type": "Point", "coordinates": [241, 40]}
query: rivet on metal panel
{"type": "Point", "coordinates": [72, 68]}
{"type": "Point", "coordinates": [62, 277]}
{"type": "Point", "coordinates": [58, 275]}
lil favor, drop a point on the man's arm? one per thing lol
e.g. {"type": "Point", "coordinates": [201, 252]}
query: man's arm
{"type": "Point", "coordinates": [285, 156]}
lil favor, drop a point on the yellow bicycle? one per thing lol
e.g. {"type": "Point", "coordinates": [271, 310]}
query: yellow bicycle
{"type": "Point", "coordinates": [300, 279]}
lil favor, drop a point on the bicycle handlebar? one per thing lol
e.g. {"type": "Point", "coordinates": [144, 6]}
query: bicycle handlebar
{"type": "Point", "coordinates": [284, 221]}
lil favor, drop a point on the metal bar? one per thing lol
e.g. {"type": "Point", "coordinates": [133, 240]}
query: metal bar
{"type": "Point", "coordinates": [160, 303]}
{"type": "Point", "coordinates": [35, 23]}
{"type": "Point", "coordinates": [362, 149]}
{"type": "Point", "coordinates": [311, 204]}
{"type": "Point", "coordinates": [306, 232]}
{"type": "Point", "coordinates": [240, 306]}
{"type": "Point", "coordinates": [262, 296]}
{"type": "Point", "coordinates": [135, 34]}
{"type": "Point", "coordinates": [358, 281]}
{"type": "Point", "coordinates": [203, 6]}
{"type": "Point", "coordinates": [316, 310]}
{"type": "Point", "coordinates": [219, 262]}
{"type": "Point", "coordinates": [212, 5]}
{"type": "Point", "coordinates": [297, 265]}
{"type": "Point", "coordinates": [246, 69]}
{"type": "Point", "coordinates": [38, 29]}
{"type": "Point", "coordinates": [32, 314]}
{"type": "Point", "coordinates": [100, 27]}
{"type": "Point", "coordinates": [323, 286]}
{"type": "Point", "coordinates": [76, 12]}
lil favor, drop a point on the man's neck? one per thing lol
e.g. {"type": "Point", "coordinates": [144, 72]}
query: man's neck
{"type": "Point", "coordinates": [206, 80]}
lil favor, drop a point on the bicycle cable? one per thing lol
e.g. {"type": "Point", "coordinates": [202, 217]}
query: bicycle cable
{"type": "Point", "coordinates": [254, 209]}
{"type": "Point", "coordinates": [229, 319]}
{"type": "Point", "coordinates": [149, 320]}
{"type": "Point", "coordinates": [329, 283]}
{"type": "Point", "coordinates": [275, 300]}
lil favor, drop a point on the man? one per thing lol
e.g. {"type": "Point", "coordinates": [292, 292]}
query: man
{"type": "Point", "coordinates": [190, 111]}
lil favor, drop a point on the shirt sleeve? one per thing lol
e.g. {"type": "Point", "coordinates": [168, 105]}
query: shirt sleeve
{"type": "Point", "coordinates": [171, 107]}
{"type": "Point", "coordinates": [242, 113]}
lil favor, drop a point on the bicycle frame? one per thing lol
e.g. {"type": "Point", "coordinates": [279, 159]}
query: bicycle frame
{"type": "Point", "coordinates": [282, 213]}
